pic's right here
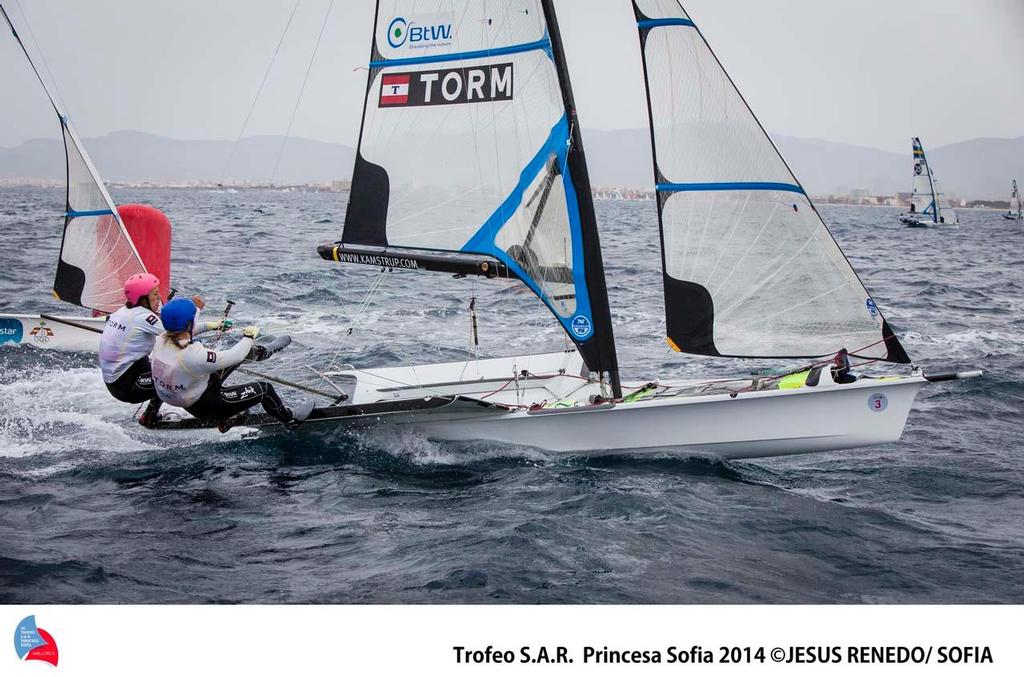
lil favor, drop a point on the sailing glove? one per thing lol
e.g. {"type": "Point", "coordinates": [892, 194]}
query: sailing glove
{"type": "Point", "coordinates": [251, 332]}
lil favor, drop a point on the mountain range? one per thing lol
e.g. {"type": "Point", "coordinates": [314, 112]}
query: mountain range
{"type": "Point", "coordinates": [977, 169]}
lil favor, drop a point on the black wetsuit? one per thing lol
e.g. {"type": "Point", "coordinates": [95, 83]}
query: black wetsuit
{"type": "Point", "coordinates": [136, 384]}
{"type": "Point", "coordinates": [219, 402]}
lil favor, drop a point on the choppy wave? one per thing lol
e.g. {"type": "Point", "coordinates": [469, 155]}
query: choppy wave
{"type": "Point", "coordinates": [94, 508]}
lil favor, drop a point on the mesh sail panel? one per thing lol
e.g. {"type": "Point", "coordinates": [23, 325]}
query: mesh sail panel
{"type": "Point", "coordinates": [750, 269]}
{"type": "Point", "coordinates": [465, 147]}
{"type": "Point", "coordinates": [945, 211]}
{"type": "Point", "coordinates": [751, 251]}
{"type": "Point", "coordinates": [96, 254]}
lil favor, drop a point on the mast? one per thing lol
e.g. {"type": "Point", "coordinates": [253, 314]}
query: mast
{"type": "Point", "coordinates": [577, 161]}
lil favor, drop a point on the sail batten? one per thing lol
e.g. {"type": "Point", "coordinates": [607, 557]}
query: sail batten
{"type": "Point", "coordinates": [749, 267]}
{"type": "Point", "coordinates": [469, 144]}
{"type": "Point", "coordinates": [736, 185]}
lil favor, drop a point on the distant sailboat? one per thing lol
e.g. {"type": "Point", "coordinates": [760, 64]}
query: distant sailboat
{"type": "Point", "coordinates": [97, 252]}
{"type": "Point", "coordinates": [1015, 212]}
{"type": "Point", "coordinates": [928, 205]}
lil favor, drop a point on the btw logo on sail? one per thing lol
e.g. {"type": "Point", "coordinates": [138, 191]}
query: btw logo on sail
{"type": "Point", "coordinates": [473, 84]}
{"type": "Point", "coordinates": [32, 643]}
{"type": "Point", "coordinates": [425, 32]}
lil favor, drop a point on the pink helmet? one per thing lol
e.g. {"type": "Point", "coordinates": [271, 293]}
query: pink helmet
{"type": "Point", "coordinates": [137, 286]}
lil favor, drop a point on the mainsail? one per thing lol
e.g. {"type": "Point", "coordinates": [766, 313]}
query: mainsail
{"type": "Point", "coordinates": [927, 198]}
{"type": "Point", "coordinates": [750, 269]}
{"type": "Point", "coordinates": [470, 159]}
{"type": "Point", "coordinates": [1016, 204]}
{"type": "Point", "coordinates": [96, 254]}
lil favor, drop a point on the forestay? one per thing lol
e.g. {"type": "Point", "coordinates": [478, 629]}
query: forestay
{"type": "Point", "coordinates": [470, 144]}
{"type": "Point", "coordinates": [750, 269]}
{"type": "Point", "coordinates": [96, 254]}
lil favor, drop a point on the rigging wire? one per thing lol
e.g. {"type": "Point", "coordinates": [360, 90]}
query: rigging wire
{"type": "Point", "coordinates": [42, 57]}
{"type": "Point", "coordinates": [302, 89]}
{"type": "Point", "coordinates": [259, 91]}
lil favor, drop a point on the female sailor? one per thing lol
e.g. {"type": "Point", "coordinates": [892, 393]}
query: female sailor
{"type": "Point", "coordinates": [186, 374]}
{"type": "Point", "coordinates": [128, 339]}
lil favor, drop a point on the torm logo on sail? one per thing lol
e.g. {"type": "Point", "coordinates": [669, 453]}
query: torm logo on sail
{"type": "Point", "coordinates": [415, 34]}
{"type": "Point", "coordinates": [473, 84]}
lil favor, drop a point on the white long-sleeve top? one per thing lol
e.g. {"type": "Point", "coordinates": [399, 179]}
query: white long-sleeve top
{"type": "Point", "coordinates": [180, 375]}
{"type": "Point", "coordinates": [129, 335]}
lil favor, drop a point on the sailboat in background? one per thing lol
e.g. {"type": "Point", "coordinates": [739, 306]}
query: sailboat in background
{"type": "Point", "coordinates": [1016, 211]}
{"type": "Point", "coordinates": [102, 246]}
{"type": "Point", "coordinates": [928, 205]}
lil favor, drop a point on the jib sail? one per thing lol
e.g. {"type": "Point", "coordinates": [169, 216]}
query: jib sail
{"type": "Point", "coordinates": [469, 145]}
{"type": "Point", "coordinates": [96, 254]}
{"type": "Point", "coordinates": [750, 269]}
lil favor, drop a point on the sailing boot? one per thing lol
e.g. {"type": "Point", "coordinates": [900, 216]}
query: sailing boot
{"type": "Point", "coordinates": [229, 423]}
{"type": "Point", "coordinates": [300, 412]}
{"type": "Point", "coordinates": [151, 416]}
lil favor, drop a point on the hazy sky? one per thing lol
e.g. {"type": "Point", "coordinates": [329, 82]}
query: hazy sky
{"type": "Point", "coordinates": [871, 73]}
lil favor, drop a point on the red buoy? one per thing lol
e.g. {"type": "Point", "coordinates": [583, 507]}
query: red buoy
{"type": "Point", "coordinates": [150, 230]}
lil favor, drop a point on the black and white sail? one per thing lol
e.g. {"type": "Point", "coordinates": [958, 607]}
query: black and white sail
{"type": "Point", "coordinates": [96, 253]}
{"type": "Point", "coordinates": [927, 199]}
{"type": "Point", "coordinates": [470, 159]}
{"type": "Point", "coordinates": [750, 269]}
{"type": "Point", "coordinates": [1016, 210]}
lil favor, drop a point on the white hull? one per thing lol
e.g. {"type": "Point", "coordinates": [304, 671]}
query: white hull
{"type": "Point", "coordinates": [32, 330]}
{"type": "Point", "coordinates": [752, 424]}
{"type": "Point", "coordinates": [748, 426]}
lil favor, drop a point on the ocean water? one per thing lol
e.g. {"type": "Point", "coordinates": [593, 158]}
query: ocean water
{"type": "Point", "coordinates": [95, 509]}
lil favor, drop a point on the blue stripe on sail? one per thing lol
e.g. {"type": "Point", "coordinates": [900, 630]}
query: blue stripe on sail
{"type": "Point", "coordinates": [544, 43]}
{"type": "Point", "coordinates": [483, 241]}
{"type": "Point", "coordinates": [741, 185]}
{"type": "Point", "coordinates": [652, 23]}
{"type": "Point", "coordinates": [95, 212]}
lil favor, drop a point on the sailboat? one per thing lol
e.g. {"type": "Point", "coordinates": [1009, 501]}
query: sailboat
{"type": "Point", "coordinates": [470, 162]}
{"type": "Point", "coordinates": [101, 247]}
{"type": "Point", "coordinates": [928, 205]}
{"type": "Point", "coordinates": [1016, 210]}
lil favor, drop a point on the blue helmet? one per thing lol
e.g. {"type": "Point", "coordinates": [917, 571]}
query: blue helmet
{"type": "Point", "coordinates": [178, 314]}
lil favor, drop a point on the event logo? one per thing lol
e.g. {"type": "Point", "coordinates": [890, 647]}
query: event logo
{"type": "Point", "coordinates": [427, 32]}
{"type": "Point", "coordinates": [447, 86]}
{"type": "Point", "coordinates": [41, 334]}
{"type": "Point", "coordinates": [32, 643]}
{"type": "Point", "coordinates": [917, 168]}
{"type": "Point", "coordinates": [581, 326]}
